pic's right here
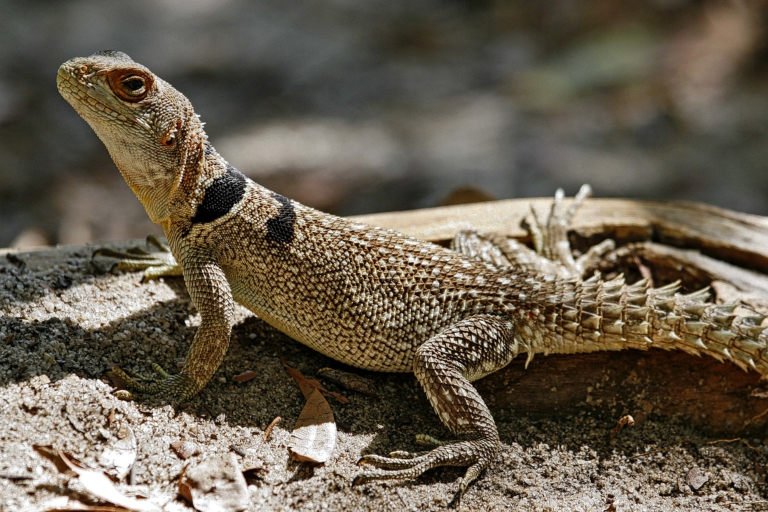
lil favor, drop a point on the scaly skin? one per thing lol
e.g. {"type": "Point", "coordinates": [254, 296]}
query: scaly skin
{"type": "Point", "coordinates": [366, 296]}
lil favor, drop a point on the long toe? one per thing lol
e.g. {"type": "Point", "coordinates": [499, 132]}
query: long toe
{"type": "Point", "coordinates": [466, 453]}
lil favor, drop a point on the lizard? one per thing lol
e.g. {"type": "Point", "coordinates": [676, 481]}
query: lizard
{"type": "Point", "coordinates": [370, 297]}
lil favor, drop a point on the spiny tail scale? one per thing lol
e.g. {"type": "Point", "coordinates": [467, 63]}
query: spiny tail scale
{"type": "Point", "coordinates": [592, 315]}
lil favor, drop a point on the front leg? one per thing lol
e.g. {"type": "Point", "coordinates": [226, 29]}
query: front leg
{"type": "Point", "coordinates": [445, 365]}
{"type": "Point", "coordinates": [211, 294]}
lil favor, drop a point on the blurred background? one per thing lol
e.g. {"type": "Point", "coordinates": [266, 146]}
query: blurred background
{"type": "Point", "coordinates": [360, 106]}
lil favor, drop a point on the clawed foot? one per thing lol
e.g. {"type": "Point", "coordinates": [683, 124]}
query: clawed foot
{"type": "Point", "coordinates": [549, 231]}
{"type": "Point", "coordinates": [550, 234]}
{"type": "Point", "coordinates": [176, 389]}
{"type": "Point", "coordinates": [401, 465]}
{"type": "Point", "coordinates": [155, 264]}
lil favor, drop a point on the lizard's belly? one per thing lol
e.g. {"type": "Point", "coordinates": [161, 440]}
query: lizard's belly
{"type": "Point", "coordinates": [343, 334]}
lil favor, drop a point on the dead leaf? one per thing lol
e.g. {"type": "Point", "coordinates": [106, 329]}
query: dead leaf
{"type": "Point", "coordinates": [99, 485]}
{"type": "Point", "coordinates": [307, 385]}
{"type": "Point", "coordinates": [52, 454]}
{"type": "Point", "coordinates": [625, 421]}
{"type": "Point", "coordinates": [349, 381]}
{"type": "Point", "coordinates": [244, 377]}
{"type": "Point", "coordinates": [314, 437]}
{"type": "Point", "coordinates": [215, 485]}
{"type": "Point", "coordinates": [120, 454]}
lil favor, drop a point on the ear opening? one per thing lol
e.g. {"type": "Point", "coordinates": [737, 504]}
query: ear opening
{"type": "Point", "coordinates": [171, 135]}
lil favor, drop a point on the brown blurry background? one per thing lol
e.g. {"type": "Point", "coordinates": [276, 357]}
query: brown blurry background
{"type": "Point", "coordinates": [357, 106]}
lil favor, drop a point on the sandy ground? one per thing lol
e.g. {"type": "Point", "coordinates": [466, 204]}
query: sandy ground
{"type": "Point", "coordinates": [63, 325]}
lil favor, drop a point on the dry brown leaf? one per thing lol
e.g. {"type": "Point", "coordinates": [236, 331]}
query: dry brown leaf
{"type": "Point", "coordinates": [99, 485]}
{"type": "Point", "coordinates": [215, 485]}
{"type": "Point", "coordinates": [184, 490]}
{"type": "Point", "coordinates": [625, 421]}
{"type": "Point", "coordinates": [52, 454]}
{"type": "Point", "coordinates": [314, 437]}
{"type": "Point", "coordinates": [308, 385]}
{"type": "Point", "coordinates": [244, 377]}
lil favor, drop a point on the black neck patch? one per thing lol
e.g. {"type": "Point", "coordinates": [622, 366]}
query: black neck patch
{"type": "Point", "coordinates": [208, 149]}
{"type": "Point", "coordinates": [220, 196]}
{"type": "Point", "coordinates": [280, 227]}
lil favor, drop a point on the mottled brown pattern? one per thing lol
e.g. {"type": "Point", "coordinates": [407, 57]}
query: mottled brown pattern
{"type": "Point", "coordinates": [369, 297]}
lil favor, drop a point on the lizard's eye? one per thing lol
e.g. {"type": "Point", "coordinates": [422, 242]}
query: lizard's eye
{"type": "Point", "coordinates": [134, 84]}
{"type": "Point", "coordinates": [130, 84]}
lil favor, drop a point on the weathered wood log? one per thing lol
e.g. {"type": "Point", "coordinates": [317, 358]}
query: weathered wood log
{"type": "Point", "coordinates": [726, 235]}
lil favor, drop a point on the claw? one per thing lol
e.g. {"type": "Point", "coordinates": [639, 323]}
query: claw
{"type": "Point", "coordinates": [584, 192]}
{"type": "Point", "coordinates": [535, 228]}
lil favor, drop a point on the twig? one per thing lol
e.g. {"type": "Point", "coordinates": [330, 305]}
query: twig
{"type": "Point", "coordinates": [753, 418]}
{"type": "Point", "coordinates": [268, 430]}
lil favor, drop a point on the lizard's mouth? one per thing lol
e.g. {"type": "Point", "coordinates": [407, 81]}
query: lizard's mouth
{"type": "Point", "coordinates": [81, 96]}
{"type": "Point", "coordinates": [71, 88]}
{"type": "Point", "coordinates": [62, 77]}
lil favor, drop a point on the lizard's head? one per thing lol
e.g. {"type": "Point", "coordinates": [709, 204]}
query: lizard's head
{"type": "Point", "coordinates": [149, 128]}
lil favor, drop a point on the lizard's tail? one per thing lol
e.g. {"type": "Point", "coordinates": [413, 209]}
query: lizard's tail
{"type": "Point", "coordinates": [610, 315]}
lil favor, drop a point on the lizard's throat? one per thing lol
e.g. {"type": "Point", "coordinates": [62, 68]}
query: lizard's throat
{"type": "Point", "coordinates": [153, 194]}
